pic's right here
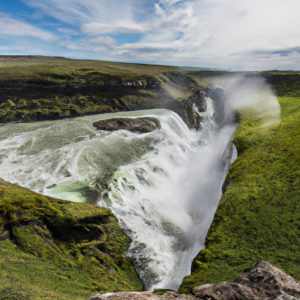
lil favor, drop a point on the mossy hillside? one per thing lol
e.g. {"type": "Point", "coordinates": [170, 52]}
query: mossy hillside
{"type": "Point", "coordinates": [258, 216]}
{"type": "Point", "coordinates": [39, 88]}
{"type": "Point", "coordinates": [52, 249]}
{"type": "Point", "coordinates": [284, 83]}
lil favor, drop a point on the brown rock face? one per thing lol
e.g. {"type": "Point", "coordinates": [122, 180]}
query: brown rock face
{"type": "Point", "coordinates": [261, 282]}
{"type": "Point", "coordinates": [137, 125]}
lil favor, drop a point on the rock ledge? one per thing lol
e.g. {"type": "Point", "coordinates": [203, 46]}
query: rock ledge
{"type": "Point", "coordinates": [137, 125]}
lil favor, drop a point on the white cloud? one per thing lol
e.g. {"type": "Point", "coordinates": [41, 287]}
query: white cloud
{"type": "Point", "coordinates": [67, 31]}
{"type": "Point", "coordinates": [96, 28]}
{"type": "Point", "coordinates": [13, 27]}
{"type": "Point", "coordinates": [92, 15]}
{"type": "Point", "coordinates": [100, 44]}
{"type": "Point", "coordinates": [226, 33]}
{"type": "Point", "coordinates": [216, 33]}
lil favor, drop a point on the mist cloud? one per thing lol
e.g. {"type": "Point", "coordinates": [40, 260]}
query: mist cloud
{"type": "Point", "coordinates": [244, 92]}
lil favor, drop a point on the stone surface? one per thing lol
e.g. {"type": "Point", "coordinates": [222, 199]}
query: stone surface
{"type": "Point", "coordinates": [143, 296]}
{"type": "Point", "coordinates": [260, 282]}
{"type": "Point", "coordinates": [270, 282]}
{"type": "Point", "coordinates": [263, 281]}
{"type": "Point", "coordinates": [137, 125]}
{"type": "Point", "coordinates": [224, 291]}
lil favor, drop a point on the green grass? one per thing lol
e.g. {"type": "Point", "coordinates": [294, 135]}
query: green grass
{"type": "Point", "coordinates": [258, 216]}
{"type": "Point", "coordinates": [59, 249]}
{"type": "Point", "coordinates": [36, 66]}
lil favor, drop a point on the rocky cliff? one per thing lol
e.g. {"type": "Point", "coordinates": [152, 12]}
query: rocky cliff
{"type": "Point", "coordinates": [53, 88]}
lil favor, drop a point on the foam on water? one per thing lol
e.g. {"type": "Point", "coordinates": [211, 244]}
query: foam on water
{"type": "Point", "coordinates": [166, 200]}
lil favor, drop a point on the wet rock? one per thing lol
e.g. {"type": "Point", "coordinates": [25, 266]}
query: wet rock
{"type": "Point", "coordinates": [262, 281]}
{"type": "Point", "coordinates": [137, 125]}
{"type": "Point", "coordinates": [142, 296]}
{"type": "Point", "coordinates": [218, 97]}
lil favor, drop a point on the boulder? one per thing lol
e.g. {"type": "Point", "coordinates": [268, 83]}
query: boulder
{"type": "Point", "coordinates": [137, 125]}
{"type": "Point", "coordinates": [263, 281]}
{"type": "Point", "coordinates": [142, 296]}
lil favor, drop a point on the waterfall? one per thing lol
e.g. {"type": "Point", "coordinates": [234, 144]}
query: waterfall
{"type": "Point", "coordinates": [167, 199]}
{"type": "Point", "coordinates": [163, 186]}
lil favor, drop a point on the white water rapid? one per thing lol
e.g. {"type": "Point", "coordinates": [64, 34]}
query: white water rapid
{"type": "Point", "coordinates": [163, 186]}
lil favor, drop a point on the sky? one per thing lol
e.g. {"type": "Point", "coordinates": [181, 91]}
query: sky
{"type": "Point", "coordinates": [223, 34]}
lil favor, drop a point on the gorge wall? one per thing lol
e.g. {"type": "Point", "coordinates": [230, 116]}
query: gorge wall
{"type": "Point", "coordinates": [66, 250]}
{"type": "Point", "coordinates": [48, 90]}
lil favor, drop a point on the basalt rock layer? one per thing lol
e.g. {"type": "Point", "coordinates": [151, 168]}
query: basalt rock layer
{"type": "Point", "coordinates": [42, 88]}
{"type": "Point", "coordinates": [137, 125]}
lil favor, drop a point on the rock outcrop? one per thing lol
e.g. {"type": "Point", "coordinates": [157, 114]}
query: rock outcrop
{"type": "Point", "coordinates": [137, 125]}
{"type": "Point", "coordinates": [143, 296]}
{"type": "Point", "coordinates": [75, 89]}
{"type": "Point", "coordinates": [263, 281]}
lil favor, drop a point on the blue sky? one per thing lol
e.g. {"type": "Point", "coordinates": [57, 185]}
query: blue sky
{"type": "Point", "coordinates": [229, 34]}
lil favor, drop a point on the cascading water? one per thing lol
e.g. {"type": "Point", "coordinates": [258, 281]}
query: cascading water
{"type": "Point", "coordinates": [166, 200]}
{"type": "Point", "coordinates": [163, 186]}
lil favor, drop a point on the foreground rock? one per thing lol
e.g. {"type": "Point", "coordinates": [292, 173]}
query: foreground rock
{"type": "Point", "coordinates": [137, 125]}
{"type": "Point", "coordinates": [261, 282]}
{"type": "Point", "coordinates": [143, 296]}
